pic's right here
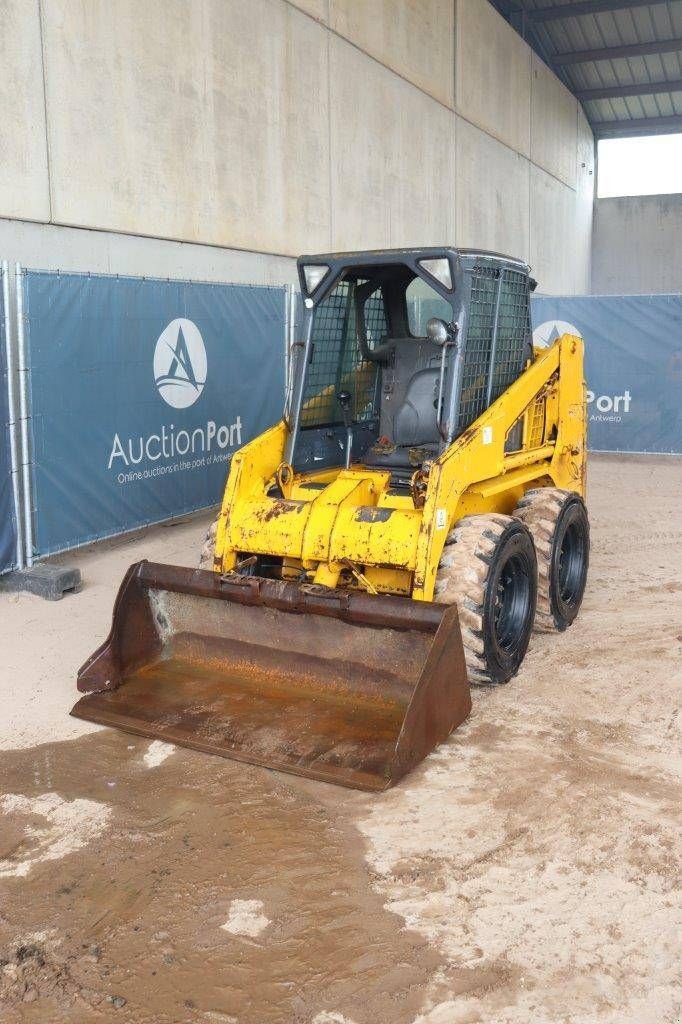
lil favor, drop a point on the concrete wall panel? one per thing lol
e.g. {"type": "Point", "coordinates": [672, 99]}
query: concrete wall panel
{"type": "Point", "coordinates": [637, 248]}
{"type": "Point", "coordinates": [493, 67]}
{"type": "Point", "coordinates": [584, 204]}
{"type": "Point", "coordinates": [212, 130]}
{"type": "Point", "coordinates": [392, 158]}
{"type": "Point", "coordinates": [281, 126]}
{"type": "Point", "coordinates": [52, 247]}
{"type": "Point", "coordinates": [24, 190]}
{"type": "Point", "coordinates": [554, 119]}
{"type": "Point", "coordinates": [492, 194]}
{"type": "Point", "coordinates": [415, 39]}
{"type": "Point", "coordinates": [552, 247]}
{"type": "Point", "coordinates": [318, 9]}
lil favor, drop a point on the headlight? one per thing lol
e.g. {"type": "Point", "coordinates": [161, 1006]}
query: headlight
{"type": "Point", "coordinates": [440, 270]}
{"type": "Point", "coordinates": [314, 274]}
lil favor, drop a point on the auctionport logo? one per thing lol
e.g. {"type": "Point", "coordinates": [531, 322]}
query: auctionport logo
{"type": "Point", "coordinates": [179, 374]}
{"type": "Point", "coordinates": [180, 363]}
{"type": "Point", "coordinates": [546, 334]}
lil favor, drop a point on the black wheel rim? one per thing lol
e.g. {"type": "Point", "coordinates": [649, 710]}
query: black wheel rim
{"type": "Point", "coordinates": [511, 605]}
{"type": "Point", "coordinates": [571, 565]}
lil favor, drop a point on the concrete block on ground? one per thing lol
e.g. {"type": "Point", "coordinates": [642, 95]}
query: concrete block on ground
{"type": "Point", "coordinates": [50, 582]}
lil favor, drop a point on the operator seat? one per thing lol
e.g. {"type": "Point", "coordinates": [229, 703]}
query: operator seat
{"type": "Point", "coordinates": [410, 373]}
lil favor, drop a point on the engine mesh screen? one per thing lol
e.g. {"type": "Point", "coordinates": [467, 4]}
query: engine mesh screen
{"type": "Point", "coordinates": [513, 329]}
{"type": "Point", "coordinates": [478, 345]}
{"type": "Point", "coordinates": [493, 349]}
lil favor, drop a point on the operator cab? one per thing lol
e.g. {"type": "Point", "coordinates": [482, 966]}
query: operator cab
{"type": "Point", "coordinates": [402, 350]}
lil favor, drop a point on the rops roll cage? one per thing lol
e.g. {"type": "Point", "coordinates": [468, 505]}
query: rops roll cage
{"type": "Point", "coordinates": [446, 270]}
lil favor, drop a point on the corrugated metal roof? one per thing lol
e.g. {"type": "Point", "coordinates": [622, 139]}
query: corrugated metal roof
{"type": "Point", "coordinates": [621, 58]}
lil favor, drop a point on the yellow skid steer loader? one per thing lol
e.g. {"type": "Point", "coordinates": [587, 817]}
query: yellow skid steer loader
{"type": "Point", "coordinates": [393, 539]}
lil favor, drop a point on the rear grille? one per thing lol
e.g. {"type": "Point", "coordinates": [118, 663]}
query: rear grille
{"type": "Point", "coordinates": [496, 338]}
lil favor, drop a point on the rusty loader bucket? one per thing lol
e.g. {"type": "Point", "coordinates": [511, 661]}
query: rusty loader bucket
{"type": "Point", "coordinates": [339, 686]}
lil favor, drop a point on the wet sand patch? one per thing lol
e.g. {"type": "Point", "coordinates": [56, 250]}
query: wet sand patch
{"type": "Point", "coordinates": [136, 912]}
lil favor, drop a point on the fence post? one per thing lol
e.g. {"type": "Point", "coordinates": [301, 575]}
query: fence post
{"type": "Point", "coordinates": [24, 415]}
{"type": "Point", "coordinates": [290, 331]}
{"type": "Point", "coordinates": [12, 410]}
{"type": "Point", "coordinates": [289, 337]}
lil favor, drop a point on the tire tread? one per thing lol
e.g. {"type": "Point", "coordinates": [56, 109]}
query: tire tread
{"type": "Point", "coordinates": [539, 510]}
{"type": "Point", "coordinates": [462, 577]}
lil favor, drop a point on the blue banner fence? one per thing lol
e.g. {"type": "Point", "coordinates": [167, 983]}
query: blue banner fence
{"type": "Point", "coordinates": [633, 366]}
{"type": "Point", "coordinates": [133, 393]}
{"type": "Point", "coordinates": [140, 391]}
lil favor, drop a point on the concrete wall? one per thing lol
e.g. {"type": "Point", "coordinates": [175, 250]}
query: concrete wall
{"type": "Point", "coordinates": [24, 185]}
{"type": "Point", "coordinates": [584, 204]}
{"type": "Point", "coordinates": [280, 127]}
{"type": "Point", "coordinates": [637, 245]}
{"type": "Point", "coordinates": [493, 67]}
{"type": "Point", "coordinates": [53, 247]}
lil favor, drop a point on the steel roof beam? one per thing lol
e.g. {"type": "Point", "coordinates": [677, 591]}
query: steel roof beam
{"type": "Point", "coordinates": [615, 52]}
{"type": "Point", "coordinates": [609, 92]}
{"type": "Point", "coordinates": [577, 10]}
{"type": "Point", "coordinates": [638, 126]}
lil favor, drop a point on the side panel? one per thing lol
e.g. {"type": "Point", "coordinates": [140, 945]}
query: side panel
{"type": "Point", "coordinates": [476, 470]}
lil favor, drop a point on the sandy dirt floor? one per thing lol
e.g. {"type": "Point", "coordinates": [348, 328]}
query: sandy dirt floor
{"type": "Point", "coordinates": [527, 872]}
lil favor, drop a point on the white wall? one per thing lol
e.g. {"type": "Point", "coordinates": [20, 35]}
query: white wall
{"type": "Point", "coordinates": [637, 245]}
{"type": "Point", "coordinates": [24, 185]}
{"type": "Point", "coordinates": [493, 67]}
{"type": "Point", "coordinates": [53, 247]}
{"type": "Point", "coordinates": [281, 127]}
{"type": "Point", "coordinates": [393, 151]}
{"type": "Point", "coordinates": [189, 120]}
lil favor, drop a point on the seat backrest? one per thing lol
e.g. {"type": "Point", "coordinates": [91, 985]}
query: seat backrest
{"type": "Point", "coordinates": [414, 422]}
{"type": "Point", "coordinates": [409, 391]}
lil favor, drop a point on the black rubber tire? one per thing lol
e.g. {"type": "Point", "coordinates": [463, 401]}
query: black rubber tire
{"type": "Point", "coordinates": [489, 570]}
{"type": "Point", "coordinates": [560, 528]}
{"type": "Point", "coordinates": [208, 547]}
